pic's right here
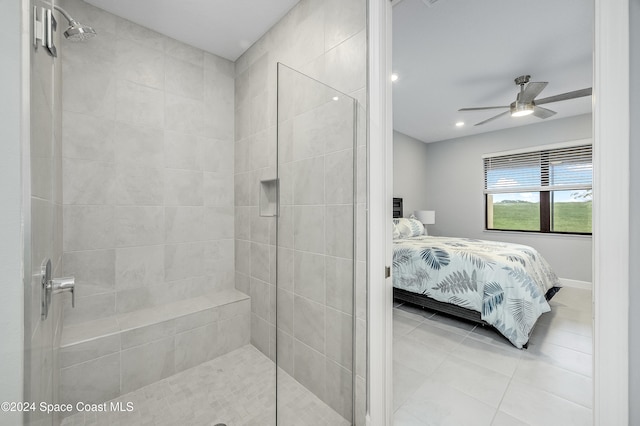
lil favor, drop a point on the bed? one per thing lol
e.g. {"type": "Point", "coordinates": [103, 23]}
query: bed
{"type": "Point", "coordinates": [503, 285]}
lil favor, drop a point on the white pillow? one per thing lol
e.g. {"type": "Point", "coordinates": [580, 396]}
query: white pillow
{"type": "Point", "coordinates": [425, 228]}
{"type": "Point", "coordinates": [396, 232]}
{"type": "Point", "coordinates": [408, 227]}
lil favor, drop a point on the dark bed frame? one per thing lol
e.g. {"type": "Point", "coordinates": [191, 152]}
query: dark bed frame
{"type": "Point", "coordinates": [443, 307]}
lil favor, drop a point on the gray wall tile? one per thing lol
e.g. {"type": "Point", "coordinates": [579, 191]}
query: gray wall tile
{"type": "Point", "coordinates": [94, 381]}
{"type": "Point", "coordinates": [184, 78]}
{"type": "Point", "coordinates": [340, 231]}
{"type": "Point", "coordinates": [143, 186]}
{"type": "Point", "coordinates": [196, 320]}
{"type": "Point", "coordinates": [309, 368]}
{"type": "Point", "coordinates": [183, 51]}
{"type": "Point", "coordinates": [147, 154]}
{"type": "Point", "coordinates": [218, 222]}
{"type": "Point", "coordinates": [88, 227]}
{"type": "Point", "coordinates": [342, 20]}
{"type": "Point", "coordinates": [260, 261]}
{"type": "Point", "coordinates": [339, 177]}
{"type": "Point", "coordinates": [339, 283]}
{"type": "Point", "coordinates": [260, 334]}
{"type": "Point", "coordinates": [146, 364]}
{"type": "Point", "coordinates": [183, 224]}
{"type": "Point", "coordinates": [285, 311]}
{"type": "Point", "coordinates": [139, 104]}
{"type": "Point", "coordinates": [309, 323]}
{"type": "Point", "coordinates": [339, 388]}
{"type": "Point", "coordinates": [138, 146]}
{"type": "Point", "coordinates": [88, 182]}
{"type": "Point", "coordinates": [183, 151]}
{"type": "Point", "coordinates": [183, 188]}
{"type": "Point", "coordinates": [309, 181]}
{"type": "Point", "coordinates": [139, 266]}
{"type": "Point", "coordinates": [218, 257]}
{"type": "Point", "coordinates": [89, 350]}
{"type": "Point", "coordinates": [184, 114]}
{"type": "Point", "coordinates": [94, 271]}
{"type": "Point", "coordinates": [88, 137]}
{"type": "Point", "coordinates": [309, 275]}
{"type": "Point", "coordinates": [139, 63]}
{"type": "Point", "coordinates": [147, 334]}
{"type": "Point", "coordinates": [339, 338]}
{"type": "Point", "coordinates": [260, 298]}
{"type": "Point", "coordinates": [196, 346]}
{"type": "Point", "coordinates": [144, 36]}
{"type": "Point", "coordinates": [217, 155]}
{"type": "Point", "coordinates": [183, 260]}
{"type": "Point", "coordinates": [139, 225]}
{"type": "Point", "coordinates": [89, 88]}
{"type": "Point", "coordinates": [309, 229]}
{"type": "Point", "coordinates": [234, 333]}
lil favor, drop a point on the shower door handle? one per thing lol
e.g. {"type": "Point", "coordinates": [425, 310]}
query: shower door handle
{"type": "Point", "coordinates": [66, 284]}
{"type": "Point", "coordinates": [51, 286]}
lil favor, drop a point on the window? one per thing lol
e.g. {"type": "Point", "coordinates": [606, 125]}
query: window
{"type": "Point", "coordinates": [546, 190]}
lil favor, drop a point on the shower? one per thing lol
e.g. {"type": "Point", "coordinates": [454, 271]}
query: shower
{"type": "Point", "coordinates": [76, 30]}
{"type": "Point", "coordinates": [44, 25]}
{"type": "Point", "coordinates": [175, 264]}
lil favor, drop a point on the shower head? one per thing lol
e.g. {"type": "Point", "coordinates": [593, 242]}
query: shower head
{"type": "Point", "coordinates": [79, 32]}
{"type": "Point", "coordinates": [76, 31]}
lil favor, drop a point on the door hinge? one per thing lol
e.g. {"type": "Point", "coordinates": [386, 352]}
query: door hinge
{"type": "Point", "coordinates": [387, 271]}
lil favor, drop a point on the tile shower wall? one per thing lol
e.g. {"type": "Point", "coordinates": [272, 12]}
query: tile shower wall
{"type": "Point", "coordinates": [325, 39]}
{"type": "Point", "coordinates": [45, 226]}
{"type": "Point", "coordinates": [148, 168]}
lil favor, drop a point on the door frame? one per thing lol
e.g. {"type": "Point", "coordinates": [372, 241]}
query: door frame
{"type": "Point", "coordinates": [610, 214]}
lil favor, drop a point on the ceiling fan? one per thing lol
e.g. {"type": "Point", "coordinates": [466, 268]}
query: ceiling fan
{"type": "Point", "coordinates": [526, 102]}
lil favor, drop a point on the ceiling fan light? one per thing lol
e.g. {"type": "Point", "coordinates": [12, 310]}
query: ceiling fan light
{"type": "Point", "coordinates": [520, 110]}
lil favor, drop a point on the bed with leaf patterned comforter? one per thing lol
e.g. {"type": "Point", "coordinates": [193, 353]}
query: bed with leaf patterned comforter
{"type": "Point", "coordinates": [506, 283]}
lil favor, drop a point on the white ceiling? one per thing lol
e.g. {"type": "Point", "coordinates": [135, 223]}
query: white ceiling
{"type": "Point", "coordinates": [466, 53]}
{"type": "Point", "coordinates": [224, 27]}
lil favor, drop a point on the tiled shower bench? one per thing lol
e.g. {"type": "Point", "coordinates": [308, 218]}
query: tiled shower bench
{"type": "Point", "coordinates": [103, 359]}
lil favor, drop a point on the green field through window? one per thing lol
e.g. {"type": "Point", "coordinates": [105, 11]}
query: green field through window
{"type": "Point", "coordinates": [524, 216]}
{"type": "Point", "coordinates": [516, 216]}
{"type": "Point", "coordinates": [572, 217]}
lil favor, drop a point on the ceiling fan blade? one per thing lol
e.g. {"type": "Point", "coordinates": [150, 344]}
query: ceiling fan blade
{"type": "Point", "coordinates": [492, 118]}
{"type": "Point", "coordinates": [482, 108]}
{"type": "Point", "coordinates": [542, 112]}
{"type": "Point", "coordinates": [565, 96]}
{"type": "Point", "coordinates": [532, 90]}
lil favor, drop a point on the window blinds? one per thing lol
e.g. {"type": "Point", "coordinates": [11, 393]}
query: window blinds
{"type": "Point", "coordinates": [565, 168]}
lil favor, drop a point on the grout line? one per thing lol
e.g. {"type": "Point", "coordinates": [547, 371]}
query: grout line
{"type": "Point", "coordinates": [503, 395]}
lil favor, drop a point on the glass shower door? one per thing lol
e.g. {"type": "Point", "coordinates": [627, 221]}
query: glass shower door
{"type": "Point", "coordinates": [315, 251]}
{"type": "Point", "coordinates": [43, 228]}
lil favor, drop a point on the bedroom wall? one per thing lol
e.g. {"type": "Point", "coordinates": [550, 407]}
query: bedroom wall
{"type": "Point", "coordinates": [634, 226]}
{"type": "Point", "coordinates": [409, 174]}
{"type": "Point", "coordinates": [147, 168]}
{"type": "Point", "coordinates": [455, 167]}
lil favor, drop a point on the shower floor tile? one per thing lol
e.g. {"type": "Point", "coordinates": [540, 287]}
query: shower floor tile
{"type": "Point", "coordinates": [235, 389]}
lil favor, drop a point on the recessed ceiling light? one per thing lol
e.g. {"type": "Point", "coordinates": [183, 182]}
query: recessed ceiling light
{"type": "Point", "coordinates": [335, 98]}
{"type": "Point", "coordinates": [394, 77]}
{"type": "Point", "coordinates": [460, 124]}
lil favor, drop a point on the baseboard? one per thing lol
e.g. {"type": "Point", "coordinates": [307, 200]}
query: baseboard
{"type": "Point", "coordinates": [585, 285]}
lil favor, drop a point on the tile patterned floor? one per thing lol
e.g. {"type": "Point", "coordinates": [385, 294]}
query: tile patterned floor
{"type": "Point", "coordinates": [234, 389]}
{"type": "Point", "coordinates": [450, 372]}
